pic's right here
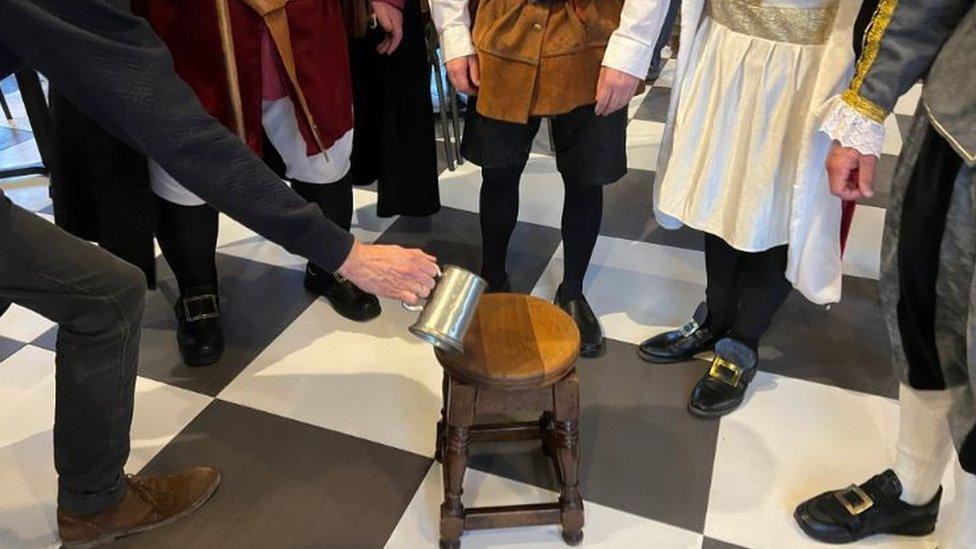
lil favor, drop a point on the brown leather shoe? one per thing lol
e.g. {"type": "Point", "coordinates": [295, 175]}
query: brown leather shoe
{"type": "Point", "coordinates": [149, 502]}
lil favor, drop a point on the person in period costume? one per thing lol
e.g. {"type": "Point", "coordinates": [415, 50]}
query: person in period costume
{"type": "Point", "coordinates": [393, 142]}
{"type": "Point", "coordinates": [741, 161]}
{"type": "Point", "coordinates": [927, 266]}
{"type": "Point", "coordinates": [578, 62]}
{"type": "Point", "coordinates": [111, 65]}
{"type": "Point", "coordinates": [278, 68]}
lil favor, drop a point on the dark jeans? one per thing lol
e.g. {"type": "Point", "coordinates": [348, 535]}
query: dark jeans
{"type": "Point", "coordinates": [97, 301]}
{"type": "Point", "coordinates": [744, 289]}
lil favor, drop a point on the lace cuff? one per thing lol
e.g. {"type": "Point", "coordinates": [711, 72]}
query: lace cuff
{"type": "Point", "coordinates": [843, 123]}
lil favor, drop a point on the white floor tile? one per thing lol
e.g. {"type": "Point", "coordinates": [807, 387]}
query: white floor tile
{"type": "Point", "coordinates": [21, 154]}
{"type": "Point", "coordinates": [636, 289]}
{"type": "Point", "coordinates": [373, 380]}
{"type": "Point", "coordinates": [792, 440]}
{"type": "Point", "coordinates": [23, 324]}
{"type": "Point", "coordinates": [237, 240]}
{"type": "Point", "coordinates": [643, 143]}
{"type": "Point", "coordinates": [28, 499]}
{"type": "Point", "coordinates": [31, 193]}
{"type": "Point", "coordinates": [605, 527]}
{"type": "Point", "coordinates": [892, 142]}
{"type": "Point", "coordinates": [907, 103]}
{"type": "Point", "coordinates": [862, 256]}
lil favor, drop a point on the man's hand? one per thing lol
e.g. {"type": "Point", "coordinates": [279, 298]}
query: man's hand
{"type": "Point", "coordinates": [465, 74]}
{"type": "Point", "coordinates": [391, 20]}
{"type": "Point", "coordinates": [391, 271]}
{"type": "Point", "coordinates": [614, 90]}
{"type": "Point", "coordinates": [851, 174]}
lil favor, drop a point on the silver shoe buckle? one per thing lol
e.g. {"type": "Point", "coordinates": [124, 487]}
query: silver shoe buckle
{"type": "Point", "coordinates": [854, 499]}
{"type": "Point", "coordinates": [212, 299]}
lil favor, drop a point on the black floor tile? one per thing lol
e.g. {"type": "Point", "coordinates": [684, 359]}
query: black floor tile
{"type": "Point", "coordinates": [641, 451]}
{"type": "Point", "coordinates": [629, 214]}
{"type": "Point", "coordinates": [454, 236]}
{"type": "Point", "coordinates": [285, 484]}
{"type": "Point", "coordinates": [655, 105]}
{"type": "Point", "coordinates": [710, 543]}
{"type": "Point", "coordinates": [47, 340]}
{"type": "Point", "coordinates": [9, 347]}
{"type": "Point", "coordinates": [882, 182]}
{"type": "Point", "coordinates": [845, 346]}
{"type": "Point", "coordinates": [258, 301]}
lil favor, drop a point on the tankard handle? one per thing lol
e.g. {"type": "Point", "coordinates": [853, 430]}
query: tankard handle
{"type": "Point", "coordinates": [418, 308]}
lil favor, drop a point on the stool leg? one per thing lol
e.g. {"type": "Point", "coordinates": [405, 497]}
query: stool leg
{"type": "Point", "coordinates": [566, 446]}
{"type": "Point", "coordinates": [546, 429]}
{"type": "Point", "coordinates": [460, 417]}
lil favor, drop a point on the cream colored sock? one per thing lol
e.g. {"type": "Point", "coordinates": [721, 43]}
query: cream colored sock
{"type": "Point", "coordinates": [924, 442]}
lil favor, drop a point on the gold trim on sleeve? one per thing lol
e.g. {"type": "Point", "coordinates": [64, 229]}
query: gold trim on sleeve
{"type": "Point", "coordinates": [872, 43]}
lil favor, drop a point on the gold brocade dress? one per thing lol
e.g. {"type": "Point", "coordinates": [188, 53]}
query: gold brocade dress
{"type": "Point", "coordinates": [740, 120]}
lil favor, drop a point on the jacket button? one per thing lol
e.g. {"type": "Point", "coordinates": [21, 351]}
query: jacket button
{"type": "Point", "coordinates": [536, 27]}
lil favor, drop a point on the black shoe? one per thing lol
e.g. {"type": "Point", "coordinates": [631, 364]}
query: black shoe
{"type": "Point", "coordinates": [199, 335]}
{"type": "Point", "coordinates": [591, 335]}
{"type": "Point", "coordinates": [504, 288]}
{"type": "Point", "coordinates": [857, 512]}
{"type": "Point", "coordinates": [724, 386]}
{"type": "Point", "coordinates": [681, 344]}
{"type": "Point", "coordinates": [346, 298]}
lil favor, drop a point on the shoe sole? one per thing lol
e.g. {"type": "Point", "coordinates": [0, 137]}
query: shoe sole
{"type": "Point", "coordinates": [594, 352]}
{"type": "Point", "coordinates": [202, 361]}
{"type": "Point", "coordinates": [338, 311]}
{"type": "Point", "coordinates": [702, 414]}
{"type": "Point", "coordinates": [654, 359]}
{"type": "Point", "coordinates": [109, 538]}
{"type": "Point", "coordinates": [916, 528]}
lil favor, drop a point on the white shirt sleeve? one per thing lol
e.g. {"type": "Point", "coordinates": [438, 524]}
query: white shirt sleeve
{"type": "Point", "coordinates": [844, 124]}
{"type": "Point", "coordinates": [631, 46]}
{"type": "Point", "coordinates": [453, 22]}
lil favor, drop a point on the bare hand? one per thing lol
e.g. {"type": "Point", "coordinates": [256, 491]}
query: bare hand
{"type": "Point", "coordinates": [391, 271]}
{"type": "Point", "coordinates": [391, 20]}
{"type": "Point", "coordinates": [851, 174]}
{"type": "Point", "coordinates": [465, 74]}
{"type": "Point", "coordinates": [614, 90]}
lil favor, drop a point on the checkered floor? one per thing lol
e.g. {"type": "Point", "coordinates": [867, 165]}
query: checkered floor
{"type": "Point", "coordinates": [323, 429]}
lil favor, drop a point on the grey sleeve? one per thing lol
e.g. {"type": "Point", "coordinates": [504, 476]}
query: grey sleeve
{"type": "Point", "coordinates": [115, 69]}
{"type": "Point", "coordinates": [900, 44]}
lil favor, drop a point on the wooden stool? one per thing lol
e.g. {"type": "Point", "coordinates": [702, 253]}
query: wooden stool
{"type": "Point", "coordinates": [519, 357]}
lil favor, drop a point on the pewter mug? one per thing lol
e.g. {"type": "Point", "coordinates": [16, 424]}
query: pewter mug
{"type": "Point", "coordinates": [445, 318]}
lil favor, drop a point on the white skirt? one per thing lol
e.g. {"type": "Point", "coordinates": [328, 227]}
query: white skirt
{"type": "Point", "coordinates": [737, 137]}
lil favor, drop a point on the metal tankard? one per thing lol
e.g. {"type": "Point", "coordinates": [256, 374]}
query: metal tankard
{"type": "Point", "coordinates": [445, 318]}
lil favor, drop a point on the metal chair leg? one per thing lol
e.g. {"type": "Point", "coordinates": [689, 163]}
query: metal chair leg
{"type": "Point", "coordinates": [456, 122]}
{"type": "Point", "coordinates": [6, 108]}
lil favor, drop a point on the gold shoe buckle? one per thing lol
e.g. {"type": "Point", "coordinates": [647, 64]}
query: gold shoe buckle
{"type": "Point", "coordinates": [725, 371]}
{"type": "Point", "coordinates": [202, 316]}
{"type": "Point", "coordinates": [854, 499]}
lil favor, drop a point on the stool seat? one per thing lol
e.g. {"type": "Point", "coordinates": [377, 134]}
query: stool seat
{"type": "Point", "coordinates": [515, 342]}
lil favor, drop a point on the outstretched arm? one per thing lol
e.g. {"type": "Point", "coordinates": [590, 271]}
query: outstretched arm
{"type": "Point", "coordinates": [114, 68]}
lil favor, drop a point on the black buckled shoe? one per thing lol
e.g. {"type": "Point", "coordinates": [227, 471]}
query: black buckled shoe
{"type": "Point", "coordinates": [198, 334]}
{"type": "Point", "coordinates": [592, 343]}
{"type": "Point", "coordinates": [724, 386]}
{"type": "Point", "coordinates": [681, 344]}
{"type": "Point", "coordinates": [346, 298]}
{"type": "Point", "coordinates": [857, 512]}
{"type": "Point", "coordinates": [504, 288]}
